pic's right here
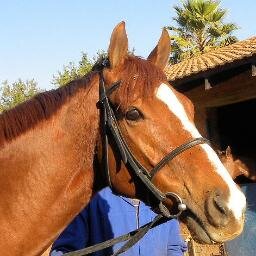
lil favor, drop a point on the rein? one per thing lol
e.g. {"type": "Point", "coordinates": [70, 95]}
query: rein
{"type": "Point", "coordinates": [133, 237]}
{"type": "Point", "coordinates": [110, 128]}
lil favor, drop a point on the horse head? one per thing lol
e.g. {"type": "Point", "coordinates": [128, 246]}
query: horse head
{"type": "Point", "coordinates": [154, 120]}
{"type": "Point", "coordinates": [237, 167]}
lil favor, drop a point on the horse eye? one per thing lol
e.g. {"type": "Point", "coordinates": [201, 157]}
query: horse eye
{"type": "Point", "coordinates": [133, 114]}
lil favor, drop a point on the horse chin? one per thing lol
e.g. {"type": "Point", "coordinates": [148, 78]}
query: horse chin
{"type": "Point", "coordinates": [198, 232]}
{"type": "Point", "coordinates": [197, 229]}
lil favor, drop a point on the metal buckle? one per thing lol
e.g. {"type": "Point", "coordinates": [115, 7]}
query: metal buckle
{"type": "Point", "coordinates": [181, 206]}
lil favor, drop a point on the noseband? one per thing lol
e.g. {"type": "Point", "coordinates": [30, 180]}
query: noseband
{"type": "Point", "coordinates": [110, 128]}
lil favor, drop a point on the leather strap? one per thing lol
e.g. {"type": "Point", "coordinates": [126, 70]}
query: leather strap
{"type": "Point", "coordinates": [176, 152]}
{"type": "Point", "coordinates": [132, 238]}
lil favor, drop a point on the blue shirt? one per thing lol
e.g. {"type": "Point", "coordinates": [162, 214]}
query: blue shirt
{"type": "Point", "coordinates": [108, 216]}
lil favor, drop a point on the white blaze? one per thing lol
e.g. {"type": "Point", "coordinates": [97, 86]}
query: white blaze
{"type": "Point", "coordinates": [237, 201]}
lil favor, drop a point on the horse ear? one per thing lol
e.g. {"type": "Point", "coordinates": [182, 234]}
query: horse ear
{"type": "Point", "coordinates": [160, 55]}
{"type": "Point", "coordinates": [118, 46]}
{"type": "Point", "coordinates": [228, 151]}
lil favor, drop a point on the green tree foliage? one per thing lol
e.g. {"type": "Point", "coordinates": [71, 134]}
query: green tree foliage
{"type": "Point", "coordinates": [200, 28]}
{"type": "Point", "coordinates": [17, 92]}
{"type": "Point", "coordinates": [73, 71]}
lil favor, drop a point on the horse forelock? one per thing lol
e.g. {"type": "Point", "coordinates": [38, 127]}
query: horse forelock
{"type": "Point", "coordinates": [139, 79]}
{"type": "Point", "coordinates": [28, 114]}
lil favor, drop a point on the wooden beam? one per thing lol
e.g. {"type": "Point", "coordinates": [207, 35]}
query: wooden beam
{"type": "Point", "coordinates": [236, 89]}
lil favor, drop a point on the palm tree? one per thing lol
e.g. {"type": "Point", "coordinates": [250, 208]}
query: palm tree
{"type": "Point", "coordinates": [200, 28]}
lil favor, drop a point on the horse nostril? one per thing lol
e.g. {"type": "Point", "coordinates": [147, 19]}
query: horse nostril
{"type": "Point", "coordinates": [220, 204]}
{"type": "Point", "coordinates": [217, 209]}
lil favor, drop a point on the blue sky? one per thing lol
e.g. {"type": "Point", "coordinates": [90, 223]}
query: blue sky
{"type": "Point", "coordinates": [39, 37]}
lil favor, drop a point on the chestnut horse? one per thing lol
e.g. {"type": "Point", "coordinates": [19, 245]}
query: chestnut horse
{"type": "Point", "coordinates": [237, 167]}
{"type": "Point", "coordinates": [51, 153]}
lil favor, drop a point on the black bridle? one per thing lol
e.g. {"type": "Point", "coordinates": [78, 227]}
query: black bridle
{"type": "Point", "coordinates": [110, 129]}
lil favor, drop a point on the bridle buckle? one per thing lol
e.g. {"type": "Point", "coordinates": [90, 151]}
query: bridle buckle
{"type": "Point", "coordinates": [181, 206]}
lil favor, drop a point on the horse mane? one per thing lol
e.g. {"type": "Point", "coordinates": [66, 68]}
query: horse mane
{"type": "Point", "coordinates": [139, 79]}
{"type": "Point", "coordinates": [42, 106]}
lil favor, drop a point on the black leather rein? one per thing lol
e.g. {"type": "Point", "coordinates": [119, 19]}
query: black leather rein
{"type": "Point", "coordinates": [110, 128]}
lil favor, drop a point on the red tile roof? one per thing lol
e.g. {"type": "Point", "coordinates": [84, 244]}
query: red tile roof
{"type": "Point", "coordinates": [212, 60]}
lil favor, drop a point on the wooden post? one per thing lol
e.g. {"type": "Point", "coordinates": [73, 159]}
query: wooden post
{"type": "Point", "coordinates": [191, 248]}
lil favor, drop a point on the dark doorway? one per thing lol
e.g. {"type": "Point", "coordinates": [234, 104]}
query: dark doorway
{"type": "Point", "coordinates": [235, 126]}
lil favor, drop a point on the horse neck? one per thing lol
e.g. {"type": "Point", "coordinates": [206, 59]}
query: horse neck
{"type": "Point", "coordinates": [46, 175]}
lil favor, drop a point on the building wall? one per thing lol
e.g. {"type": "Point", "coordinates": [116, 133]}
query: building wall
{"type": "Point", "coordinates": [229, 87]}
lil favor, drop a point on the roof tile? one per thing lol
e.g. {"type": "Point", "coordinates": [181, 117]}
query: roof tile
{"type": "Point", "coordinates": [213, 59]}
